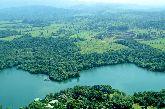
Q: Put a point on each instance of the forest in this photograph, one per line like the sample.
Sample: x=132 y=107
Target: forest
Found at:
x=64 y=42
x=99 y=97
x=64 y=48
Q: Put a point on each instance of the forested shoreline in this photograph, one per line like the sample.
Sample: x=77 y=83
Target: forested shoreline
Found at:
x=60 y=58
x=99 y=96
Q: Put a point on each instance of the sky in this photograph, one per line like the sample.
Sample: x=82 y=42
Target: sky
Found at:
x=138 y=2
x=58 y=3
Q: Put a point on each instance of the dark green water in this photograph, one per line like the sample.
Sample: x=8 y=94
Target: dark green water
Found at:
x=18 y=88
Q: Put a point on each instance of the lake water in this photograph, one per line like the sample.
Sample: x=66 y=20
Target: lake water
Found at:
x=19 y=88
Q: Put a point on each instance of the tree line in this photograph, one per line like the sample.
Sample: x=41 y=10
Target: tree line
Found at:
x=98 y=97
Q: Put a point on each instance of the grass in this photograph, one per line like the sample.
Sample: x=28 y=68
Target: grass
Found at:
x=98 y=46
x=90 y=44
x=10 y=38
x=85 y=35
x=137 y=106
x=157 y=43
x=35 y=31
x=47 y=31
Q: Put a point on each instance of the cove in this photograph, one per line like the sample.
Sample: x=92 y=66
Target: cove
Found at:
x=19 y=88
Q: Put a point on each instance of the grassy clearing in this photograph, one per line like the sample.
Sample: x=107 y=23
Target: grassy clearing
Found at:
x=85 y=35
x=45 y=31
x=10 y=38
x=26 y=28
x=137 y=106
x=98 y=46
x=157 y=43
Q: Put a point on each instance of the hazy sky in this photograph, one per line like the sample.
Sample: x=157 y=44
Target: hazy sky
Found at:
x=140 y=2
x=9 y=3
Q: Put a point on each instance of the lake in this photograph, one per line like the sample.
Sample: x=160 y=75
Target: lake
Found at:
x=19 y=88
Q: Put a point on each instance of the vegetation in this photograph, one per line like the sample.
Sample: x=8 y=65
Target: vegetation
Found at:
x=52 y=56
x=99 y=97
x=5 y=33
x=144 y=55
x=98 y=46
x=61 y=59
x=157 y=43
x=62 y=42
x=61 y=48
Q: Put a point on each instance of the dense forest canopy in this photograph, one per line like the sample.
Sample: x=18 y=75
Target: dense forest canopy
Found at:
x=99 y=97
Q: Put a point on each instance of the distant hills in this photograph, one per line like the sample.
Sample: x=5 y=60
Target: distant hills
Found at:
x=33 y=12
x=52 y=13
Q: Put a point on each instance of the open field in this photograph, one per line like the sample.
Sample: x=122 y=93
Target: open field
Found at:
x=157 y=43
